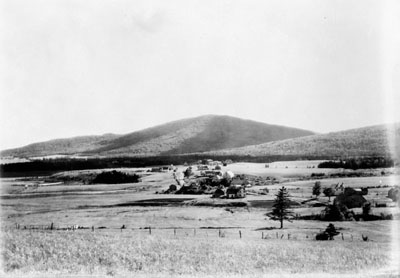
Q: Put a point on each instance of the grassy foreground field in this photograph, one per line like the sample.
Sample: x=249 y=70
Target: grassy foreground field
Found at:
x=185 y=239
x=121 y=254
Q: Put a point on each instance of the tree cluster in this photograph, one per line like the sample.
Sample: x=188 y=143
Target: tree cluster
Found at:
x=336 y=212
x=329 y=192
x=114 y=177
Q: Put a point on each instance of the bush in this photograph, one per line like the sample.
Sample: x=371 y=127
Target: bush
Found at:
x=315 y=175
x=388 y=216
x=328 y=234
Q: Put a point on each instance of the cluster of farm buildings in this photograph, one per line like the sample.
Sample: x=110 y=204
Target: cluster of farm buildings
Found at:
x=211 y=180
x=225 y=184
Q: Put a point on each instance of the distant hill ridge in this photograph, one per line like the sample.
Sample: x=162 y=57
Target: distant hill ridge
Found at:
x=378 y=140
x=199 y=134
x=73 y=145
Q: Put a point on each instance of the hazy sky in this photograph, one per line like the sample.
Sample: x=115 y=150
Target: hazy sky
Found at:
x=91 y=67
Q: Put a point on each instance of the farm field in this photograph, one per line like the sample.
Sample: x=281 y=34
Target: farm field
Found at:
x=194 y=235
x=121 y=253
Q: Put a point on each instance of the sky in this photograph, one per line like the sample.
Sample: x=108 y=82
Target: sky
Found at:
x=71 y=68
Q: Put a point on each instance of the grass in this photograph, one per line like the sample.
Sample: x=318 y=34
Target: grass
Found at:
x=115 y=253
x=133 y=251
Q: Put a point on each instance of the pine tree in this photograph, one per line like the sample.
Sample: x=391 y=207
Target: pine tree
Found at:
x=281 y=208
x=317 y=189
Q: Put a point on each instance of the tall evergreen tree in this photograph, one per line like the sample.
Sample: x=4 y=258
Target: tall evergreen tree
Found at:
x=281 y=208
x=317 y=189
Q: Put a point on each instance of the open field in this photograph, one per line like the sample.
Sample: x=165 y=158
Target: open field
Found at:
x=188 y=239
x=119 y=253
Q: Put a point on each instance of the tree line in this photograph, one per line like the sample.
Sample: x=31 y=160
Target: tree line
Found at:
x=359 y=163
x=69 y=164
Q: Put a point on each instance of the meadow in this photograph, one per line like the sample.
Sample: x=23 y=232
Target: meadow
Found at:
x=121 y=253
x=186 y=239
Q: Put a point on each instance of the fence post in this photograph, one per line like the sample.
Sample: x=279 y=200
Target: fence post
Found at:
x=262 y=235
x=149 y=230
x=174 y=232
x=342 y=236
x=282 y=236
x=288 y=236
x=276 y=234
x=240 y=234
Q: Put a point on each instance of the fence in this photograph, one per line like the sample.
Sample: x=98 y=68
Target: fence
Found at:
x=199 y=232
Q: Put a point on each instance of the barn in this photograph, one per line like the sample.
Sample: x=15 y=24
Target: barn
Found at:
x=351 y=201
x=235 y=191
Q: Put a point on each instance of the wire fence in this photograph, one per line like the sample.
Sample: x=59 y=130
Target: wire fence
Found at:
x=196 y=232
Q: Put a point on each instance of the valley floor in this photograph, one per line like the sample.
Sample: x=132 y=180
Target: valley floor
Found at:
x=167 y=235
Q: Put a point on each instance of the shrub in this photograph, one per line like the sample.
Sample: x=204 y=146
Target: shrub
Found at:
x=328 y=234
x=315 y=175
x=388 y=216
